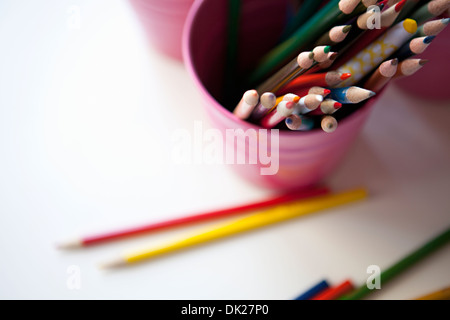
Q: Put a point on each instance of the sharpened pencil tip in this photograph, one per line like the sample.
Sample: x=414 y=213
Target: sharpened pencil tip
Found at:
x=371 y=94
x=118 y=263
x=70 y=245
x=423 y=62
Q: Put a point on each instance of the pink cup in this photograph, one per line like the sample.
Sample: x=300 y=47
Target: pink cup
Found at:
x=431 y=82
x=163 y=21
x=305 y=158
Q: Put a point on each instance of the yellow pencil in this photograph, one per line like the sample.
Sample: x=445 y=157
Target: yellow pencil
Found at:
x=258 y=220
x=443 y=294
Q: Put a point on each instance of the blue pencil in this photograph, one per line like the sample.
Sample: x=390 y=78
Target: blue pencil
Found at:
x=318 y=288
x=350 y=95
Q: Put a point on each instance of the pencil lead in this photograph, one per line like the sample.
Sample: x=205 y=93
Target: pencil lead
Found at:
x=428 y=39
x=347 y=28
x=345 y=76
x=423 y=62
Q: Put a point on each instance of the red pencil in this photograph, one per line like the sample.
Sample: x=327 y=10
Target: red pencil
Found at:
x=114 y=235
x=336 y=292
x=325 y=79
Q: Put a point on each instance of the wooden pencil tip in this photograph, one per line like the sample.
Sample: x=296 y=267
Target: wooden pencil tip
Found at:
x=70 y=245
x=113 y=264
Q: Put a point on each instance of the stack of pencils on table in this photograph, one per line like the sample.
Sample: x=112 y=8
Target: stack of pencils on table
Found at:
x=334 y=56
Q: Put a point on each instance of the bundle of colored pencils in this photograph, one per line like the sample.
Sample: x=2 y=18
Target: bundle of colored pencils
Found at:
x=334 y=56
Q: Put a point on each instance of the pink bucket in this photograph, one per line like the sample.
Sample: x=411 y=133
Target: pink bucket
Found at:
x=431 y=82
x=305 y=158
x=163 y=21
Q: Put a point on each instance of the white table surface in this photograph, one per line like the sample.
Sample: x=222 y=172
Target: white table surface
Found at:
x=86 y=118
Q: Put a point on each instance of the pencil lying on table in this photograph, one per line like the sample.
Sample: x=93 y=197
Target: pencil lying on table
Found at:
x=153 y=227
x=259 y=220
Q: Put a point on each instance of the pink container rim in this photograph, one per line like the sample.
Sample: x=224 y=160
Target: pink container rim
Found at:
x=217 y=106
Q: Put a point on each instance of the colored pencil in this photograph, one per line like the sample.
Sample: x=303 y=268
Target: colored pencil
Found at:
x=432 y=28
x=430 y=10
x=409 y=66
x=336 y=292
x=271 y=202
x=267 y=102
x=321 y=53
x=370 y=57
x=232 y=47
x=307 y=104
x=328 y=124
x=263 y=219
x=363 y=38
x=351 y=95
x=247 y=104
x=328 y=106
x=414 y=47
x=403 y=264
x=296 y=67
x=283 y=110
x=314 y=291
x=409 y=8
x=307 y=9
x=333 y=13
x=288 y=97
x=313 y=90
x=382 y=76
x=299 y=123
x=334 y=36
x=442 y=294
x=328 y=79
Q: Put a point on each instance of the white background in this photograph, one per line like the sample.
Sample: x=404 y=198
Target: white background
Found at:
x=86 y=118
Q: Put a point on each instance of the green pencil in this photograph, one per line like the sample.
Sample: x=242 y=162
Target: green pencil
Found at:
x=430 y=10
x=330 y=15
x=306 y=10
x=234 y=8
x=403 y=264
